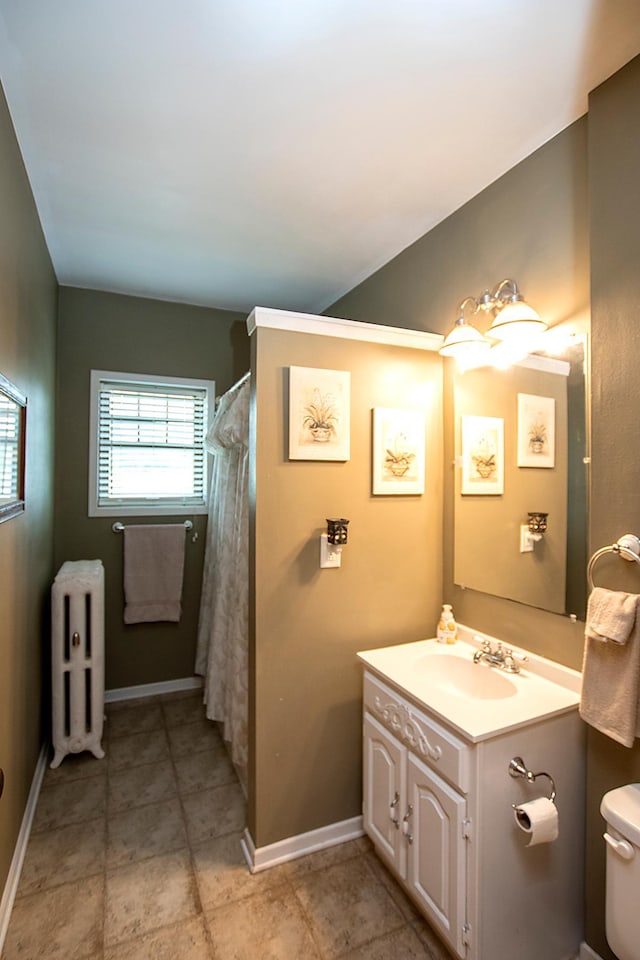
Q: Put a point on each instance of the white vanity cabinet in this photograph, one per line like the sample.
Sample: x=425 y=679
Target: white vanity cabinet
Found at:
x=438 y=807
x=416 y=819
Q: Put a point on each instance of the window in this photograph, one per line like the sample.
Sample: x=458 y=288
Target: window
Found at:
x=13 y=412
x=147 y=453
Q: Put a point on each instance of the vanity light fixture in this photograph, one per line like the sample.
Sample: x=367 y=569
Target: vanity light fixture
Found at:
x=514 y=321
x=465 y=343
x=514 y=318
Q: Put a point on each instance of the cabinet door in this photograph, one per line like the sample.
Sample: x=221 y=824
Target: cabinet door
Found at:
x=383 y=801
x=436 y=867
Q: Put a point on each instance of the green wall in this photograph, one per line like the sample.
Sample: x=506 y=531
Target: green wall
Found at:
x=531 y=225
x=614 y=163
x=128 y=334
x=27 y=356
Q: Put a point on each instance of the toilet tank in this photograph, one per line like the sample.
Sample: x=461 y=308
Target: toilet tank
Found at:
x=621 y=810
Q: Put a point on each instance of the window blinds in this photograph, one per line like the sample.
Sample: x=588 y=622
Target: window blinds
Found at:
x=151 y=444
x=10 y=413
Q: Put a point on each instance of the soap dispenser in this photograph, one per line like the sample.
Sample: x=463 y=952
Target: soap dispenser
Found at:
x=447 y=626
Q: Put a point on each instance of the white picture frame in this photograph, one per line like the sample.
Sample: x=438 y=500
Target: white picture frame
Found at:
x=482 y=455
x=536 y=431
x=319 y=414
x=398 y=455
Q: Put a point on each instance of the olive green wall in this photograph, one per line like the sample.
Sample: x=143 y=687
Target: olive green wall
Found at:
x=308 y=623
x=531 y=225
x=614 y=163
x=27 y=356
x=106 y=331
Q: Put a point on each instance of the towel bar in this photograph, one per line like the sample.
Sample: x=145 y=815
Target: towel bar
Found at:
x=627 y=547
x=118 y=527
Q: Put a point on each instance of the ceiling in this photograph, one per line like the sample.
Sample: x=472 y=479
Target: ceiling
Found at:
x=238 y=152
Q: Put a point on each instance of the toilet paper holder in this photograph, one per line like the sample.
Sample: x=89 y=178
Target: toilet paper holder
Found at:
x=517 y=768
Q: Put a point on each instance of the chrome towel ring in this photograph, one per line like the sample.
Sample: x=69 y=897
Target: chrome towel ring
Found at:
x=627 y=547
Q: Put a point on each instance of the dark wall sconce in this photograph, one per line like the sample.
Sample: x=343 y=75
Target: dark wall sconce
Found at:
x=337 y=531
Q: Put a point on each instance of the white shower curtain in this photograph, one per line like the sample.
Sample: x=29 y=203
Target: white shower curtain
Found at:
x=221 y=656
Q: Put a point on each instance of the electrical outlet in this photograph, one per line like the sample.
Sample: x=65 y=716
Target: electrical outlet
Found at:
x=526 y=543
x=330 y=554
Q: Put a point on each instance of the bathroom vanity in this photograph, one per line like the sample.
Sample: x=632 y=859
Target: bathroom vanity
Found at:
x=439 y=733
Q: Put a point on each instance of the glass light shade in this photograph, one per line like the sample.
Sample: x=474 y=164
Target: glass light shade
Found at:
x=516 y=320
x=464 y=343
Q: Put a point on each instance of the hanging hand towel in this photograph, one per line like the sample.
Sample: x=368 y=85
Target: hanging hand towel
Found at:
x=611 y=668
x=611 y=615
x=153 y=570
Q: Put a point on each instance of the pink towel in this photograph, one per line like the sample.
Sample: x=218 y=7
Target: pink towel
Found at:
x=153 y=571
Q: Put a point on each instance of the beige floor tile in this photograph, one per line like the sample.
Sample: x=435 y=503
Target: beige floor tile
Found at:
x=346 y=906
x=59 y=856
x=393 y=888
x=202 y=771
x=223 y=876
x=115 y=705
x=184 y=710
x=212 y=813
x=322 y=858
x=75 y=766
x=135 y=719
x=403 y=944
x=137 y=786
x=149 y=894
x=137 y=749
x=145 y=832
x=64 y=923
x=270 y=926
x=184 y=941
x=65 y=803
x=190 y=738
x=436 y=949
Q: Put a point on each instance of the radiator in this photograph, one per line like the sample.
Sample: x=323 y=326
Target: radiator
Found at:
x=77 y=667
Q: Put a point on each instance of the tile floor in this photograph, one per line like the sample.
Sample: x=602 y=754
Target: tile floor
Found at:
x=137 y=857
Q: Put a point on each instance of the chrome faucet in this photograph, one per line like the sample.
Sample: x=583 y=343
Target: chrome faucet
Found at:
x=499 y=657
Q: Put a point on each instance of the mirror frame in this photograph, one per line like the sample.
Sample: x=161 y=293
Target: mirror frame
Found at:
x=17 y=505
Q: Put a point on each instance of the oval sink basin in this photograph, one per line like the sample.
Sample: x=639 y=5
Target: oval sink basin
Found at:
x=465 y=678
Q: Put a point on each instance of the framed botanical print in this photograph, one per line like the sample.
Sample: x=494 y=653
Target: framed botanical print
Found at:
x=536 y=431
x=482 y=455
x=319 y=413
x=398 y=451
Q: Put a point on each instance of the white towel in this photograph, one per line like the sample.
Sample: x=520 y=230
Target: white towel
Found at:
x=153 y=571
x=611 y=668
x=610 y=615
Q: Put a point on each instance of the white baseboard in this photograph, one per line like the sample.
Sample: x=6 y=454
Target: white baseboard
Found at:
x=152 y=689
x=261 y=858
x=586 y=953
x=13 y=877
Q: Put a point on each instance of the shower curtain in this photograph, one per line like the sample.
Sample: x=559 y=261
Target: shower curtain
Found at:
x=221 y=656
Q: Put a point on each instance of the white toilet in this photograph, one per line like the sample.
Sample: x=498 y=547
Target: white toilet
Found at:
x=621 y=809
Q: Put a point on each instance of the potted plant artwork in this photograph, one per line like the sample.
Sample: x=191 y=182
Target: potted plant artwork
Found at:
x=319 y=413
x=537 y=437
x=321 y=417
x=484 y=459
x=398 y=461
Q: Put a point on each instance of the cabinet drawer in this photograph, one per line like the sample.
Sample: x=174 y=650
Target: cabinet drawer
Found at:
x=421 y=734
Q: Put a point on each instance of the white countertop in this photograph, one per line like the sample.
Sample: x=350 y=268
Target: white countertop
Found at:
x=477 y=705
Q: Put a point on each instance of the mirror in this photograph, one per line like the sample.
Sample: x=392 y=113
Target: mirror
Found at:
x=521 y=448
x=13 y=412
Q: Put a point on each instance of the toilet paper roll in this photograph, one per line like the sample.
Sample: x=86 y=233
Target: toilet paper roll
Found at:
x=538 y=819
